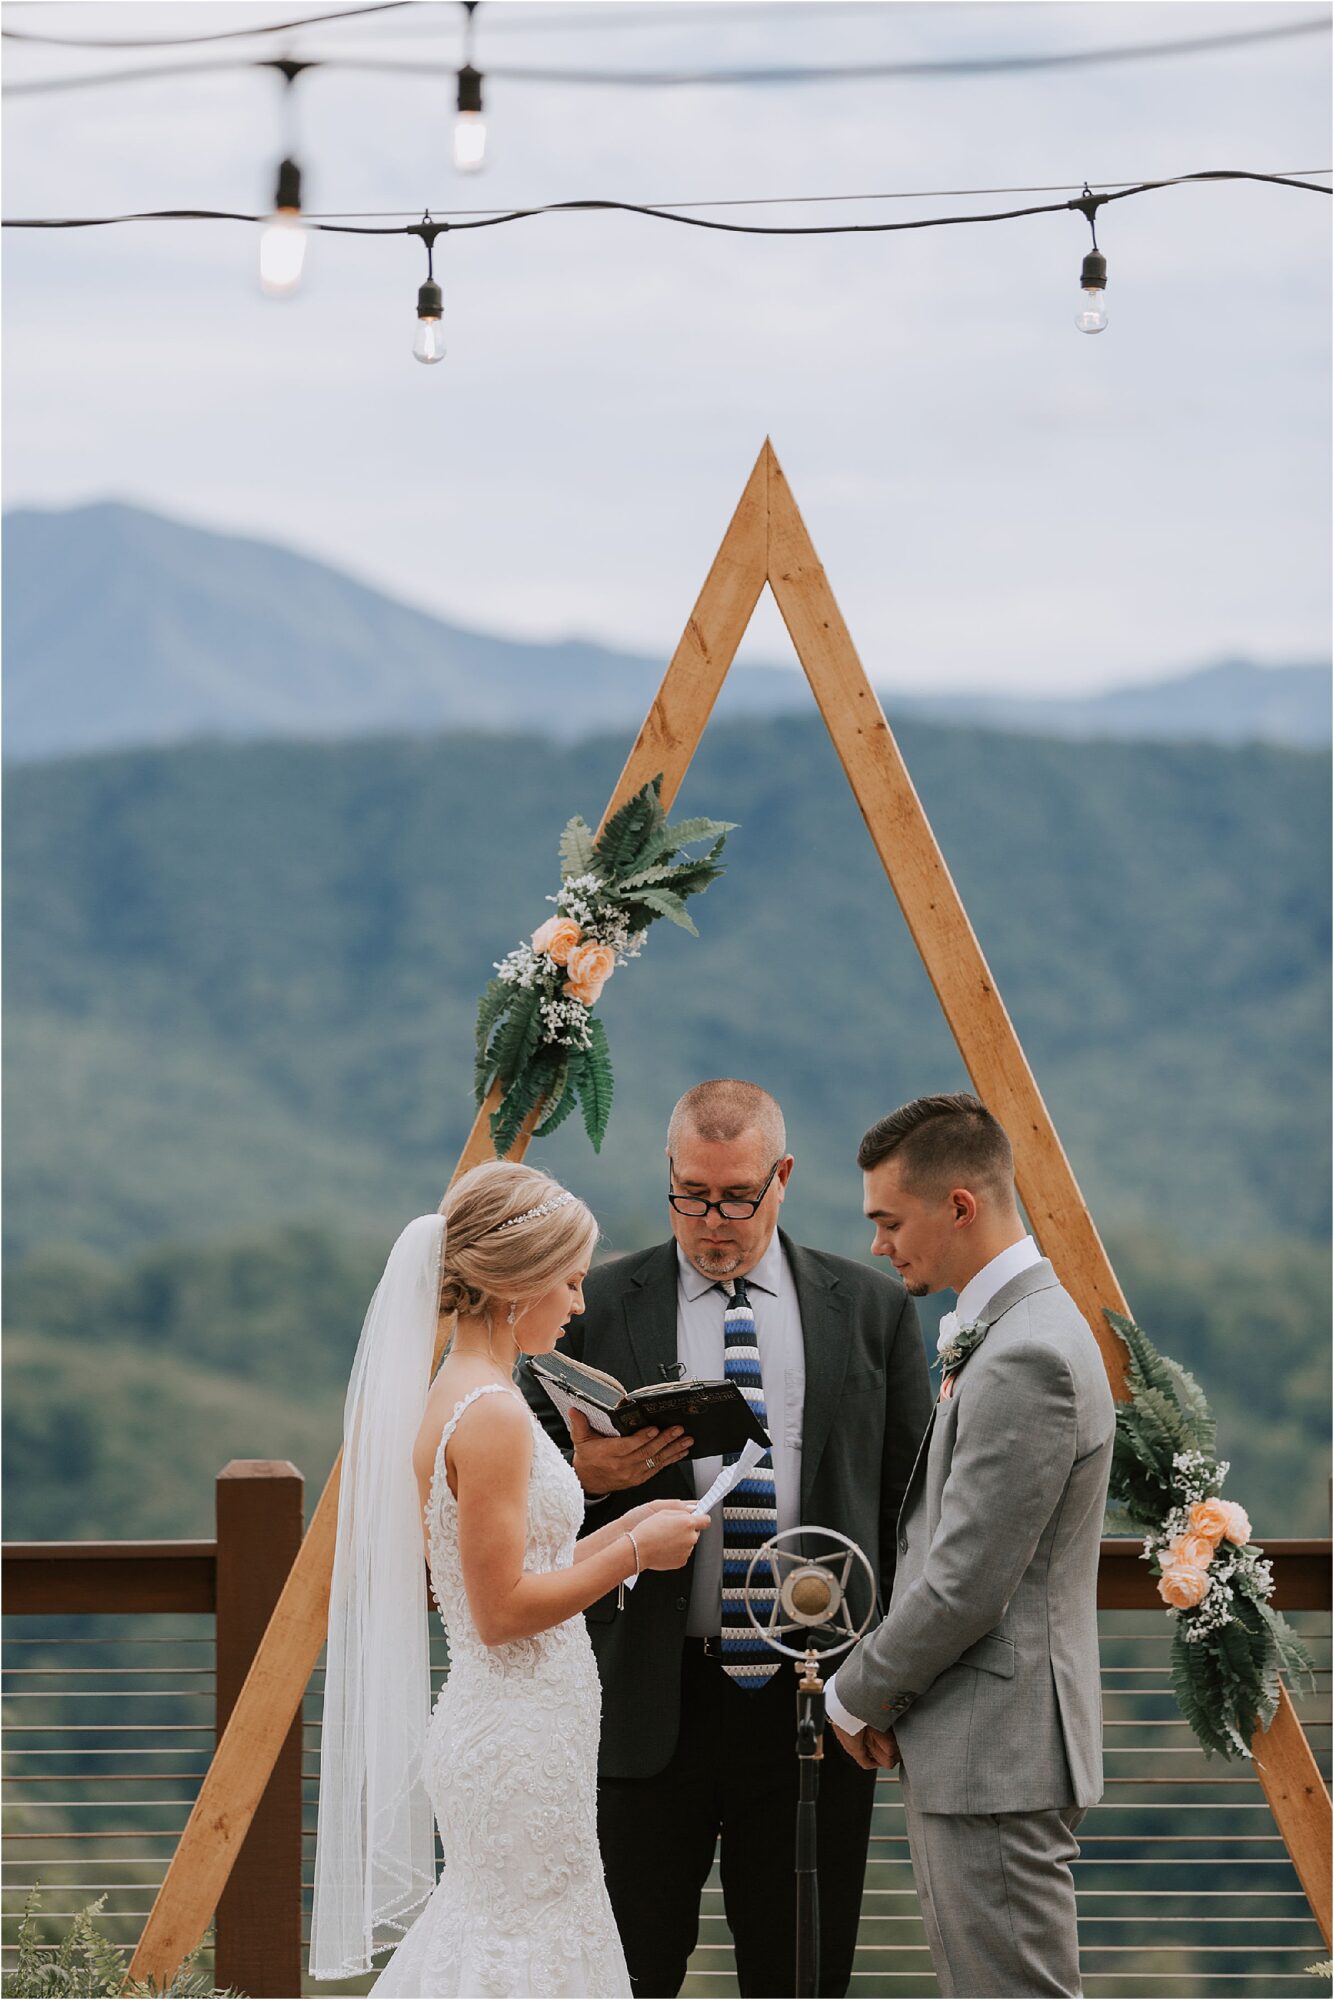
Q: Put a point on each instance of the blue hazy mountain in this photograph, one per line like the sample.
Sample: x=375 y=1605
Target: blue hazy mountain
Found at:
x=125 y=628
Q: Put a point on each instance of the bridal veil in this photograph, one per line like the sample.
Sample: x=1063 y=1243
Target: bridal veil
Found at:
x=375 y=1851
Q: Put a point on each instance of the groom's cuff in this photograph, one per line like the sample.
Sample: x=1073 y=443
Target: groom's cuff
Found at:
x=851 y=1724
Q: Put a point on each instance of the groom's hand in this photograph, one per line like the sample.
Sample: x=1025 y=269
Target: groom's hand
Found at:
x=856 y=1746
x=611 y=1464
x=883 y=1747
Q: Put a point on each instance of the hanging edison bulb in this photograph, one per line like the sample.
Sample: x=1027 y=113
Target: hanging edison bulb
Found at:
x=469 y=127
x=282 y=247
x=1092 y=314
x=429 y=343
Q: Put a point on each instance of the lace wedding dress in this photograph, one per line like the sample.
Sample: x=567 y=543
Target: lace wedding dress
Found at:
x=511 y=1766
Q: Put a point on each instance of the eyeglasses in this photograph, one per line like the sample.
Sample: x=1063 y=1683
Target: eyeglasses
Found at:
x=730 y=1211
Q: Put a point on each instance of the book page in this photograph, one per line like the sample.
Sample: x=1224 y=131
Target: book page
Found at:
x=564 y=1402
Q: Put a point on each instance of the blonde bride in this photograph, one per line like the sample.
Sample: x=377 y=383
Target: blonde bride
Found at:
x=505 y=1764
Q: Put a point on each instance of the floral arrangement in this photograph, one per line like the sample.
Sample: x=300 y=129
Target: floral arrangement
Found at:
x=1229 y=1646
x=537 y=1035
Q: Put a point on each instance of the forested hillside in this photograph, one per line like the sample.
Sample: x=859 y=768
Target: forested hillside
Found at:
x=240 y=984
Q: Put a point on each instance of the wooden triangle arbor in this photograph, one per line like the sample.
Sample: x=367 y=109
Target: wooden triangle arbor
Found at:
x=766 y=542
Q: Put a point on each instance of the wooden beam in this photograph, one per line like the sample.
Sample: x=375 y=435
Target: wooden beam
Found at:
x=995 y=1060
x=282 y=1666
x=766 y=538
x=936 y=917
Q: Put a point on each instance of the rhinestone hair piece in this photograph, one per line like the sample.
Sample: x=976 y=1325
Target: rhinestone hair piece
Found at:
x=556 y=1201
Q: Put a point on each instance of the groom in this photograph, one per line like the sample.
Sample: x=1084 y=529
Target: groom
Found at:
x=982 y=1682
x=698 y=1738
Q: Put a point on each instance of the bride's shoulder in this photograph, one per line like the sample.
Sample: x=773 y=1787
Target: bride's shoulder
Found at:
x=487 y=1412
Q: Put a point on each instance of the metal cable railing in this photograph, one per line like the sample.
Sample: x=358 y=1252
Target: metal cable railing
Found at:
x=1184 y=1885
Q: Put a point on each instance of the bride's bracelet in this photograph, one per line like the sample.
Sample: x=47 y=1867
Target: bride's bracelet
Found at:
x=620 y=1593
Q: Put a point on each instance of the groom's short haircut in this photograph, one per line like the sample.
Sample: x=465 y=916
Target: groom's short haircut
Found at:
x=940 y=1143
x=724 y=1109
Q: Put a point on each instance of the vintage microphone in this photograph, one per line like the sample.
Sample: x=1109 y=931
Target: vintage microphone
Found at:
x=809 y=1597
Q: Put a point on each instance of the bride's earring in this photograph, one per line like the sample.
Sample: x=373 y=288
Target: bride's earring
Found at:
x=512 y=1315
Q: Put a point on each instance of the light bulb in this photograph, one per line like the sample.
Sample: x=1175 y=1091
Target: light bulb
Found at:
x=282 y=247
x=429 y=341
x=282 y=253
x=469 y=142
x=1092 y=314
x=469 y=130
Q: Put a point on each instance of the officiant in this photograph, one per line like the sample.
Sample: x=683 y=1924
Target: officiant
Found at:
x=698 y=1728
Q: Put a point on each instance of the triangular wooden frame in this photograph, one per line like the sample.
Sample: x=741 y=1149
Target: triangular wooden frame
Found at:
x=766 y=542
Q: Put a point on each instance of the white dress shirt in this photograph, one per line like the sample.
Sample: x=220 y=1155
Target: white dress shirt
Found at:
x=700 y=1345
x=978 y=1293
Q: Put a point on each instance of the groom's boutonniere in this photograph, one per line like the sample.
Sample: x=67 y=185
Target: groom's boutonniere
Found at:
x=956 y=1343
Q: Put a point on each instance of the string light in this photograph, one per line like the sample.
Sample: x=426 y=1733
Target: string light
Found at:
x=861 y=72
x=428 y=344
x=282 y=247
x=469 y=127
x=1092 y=314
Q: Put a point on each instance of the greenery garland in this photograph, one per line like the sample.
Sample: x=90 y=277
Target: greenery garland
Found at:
x=87 y=1964
x=1229 y=1647
x=536 y=1032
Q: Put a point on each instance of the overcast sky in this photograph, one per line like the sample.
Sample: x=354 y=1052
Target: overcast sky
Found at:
x=999 y=500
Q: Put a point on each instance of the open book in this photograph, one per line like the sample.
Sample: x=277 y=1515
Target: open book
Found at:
x=715 y=1414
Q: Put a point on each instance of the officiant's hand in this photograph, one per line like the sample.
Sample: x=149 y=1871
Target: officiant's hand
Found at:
x=610 y=1465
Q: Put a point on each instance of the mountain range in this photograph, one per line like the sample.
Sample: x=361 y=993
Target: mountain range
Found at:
x=125 y=628
x=239 y=995
x=241 y=979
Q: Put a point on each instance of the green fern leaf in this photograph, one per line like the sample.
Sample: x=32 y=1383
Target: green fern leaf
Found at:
x=578 y=856
x=518 y=1039
x=628 y=832
x=647 y=877
x=669 y=840
x=664 y=903
x=558 y=1101
x=595 y=1084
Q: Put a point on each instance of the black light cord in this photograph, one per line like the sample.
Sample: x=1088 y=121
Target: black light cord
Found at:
x=219 y=35
x=1085 y=203
x=669 y=79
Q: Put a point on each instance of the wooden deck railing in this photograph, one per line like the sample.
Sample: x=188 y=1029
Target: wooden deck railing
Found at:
x=235 y=1580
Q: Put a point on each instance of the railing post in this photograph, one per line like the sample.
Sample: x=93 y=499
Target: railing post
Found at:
x=258 y=1923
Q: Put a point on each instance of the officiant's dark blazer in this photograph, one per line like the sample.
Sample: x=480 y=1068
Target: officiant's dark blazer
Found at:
x=868 y=1399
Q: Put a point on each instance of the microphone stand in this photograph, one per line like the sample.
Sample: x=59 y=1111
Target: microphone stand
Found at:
x=810 y=1749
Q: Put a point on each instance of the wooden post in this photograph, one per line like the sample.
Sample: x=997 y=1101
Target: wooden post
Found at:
x=766 y=541
x=258 y=1946
x=271 y=1695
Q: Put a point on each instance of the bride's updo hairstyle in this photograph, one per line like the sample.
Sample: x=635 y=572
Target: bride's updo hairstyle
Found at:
x=511 y=1232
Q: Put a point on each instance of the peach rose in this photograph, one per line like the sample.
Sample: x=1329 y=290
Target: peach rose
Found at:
x=1238 y=1527
x=1182 y=1585
x=557 y=937
x=1209 y=1517
x=588 y=969
x=1190 y=1552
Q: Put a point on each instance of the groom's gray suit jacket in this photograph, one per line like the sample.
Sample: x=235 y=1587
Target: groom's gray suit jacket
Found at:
x=986 y=1666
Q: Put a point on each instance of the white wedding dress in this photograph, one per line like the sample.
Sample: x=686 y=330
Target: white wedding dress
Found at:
x=521 y=1907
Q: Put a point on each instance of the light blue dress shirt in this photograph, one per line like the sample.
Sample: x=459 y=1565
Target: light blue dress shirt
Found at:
x=699 y=1344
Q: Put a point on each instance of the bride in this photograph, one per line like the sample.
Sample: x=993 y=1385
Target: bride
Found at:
x=506 y=1762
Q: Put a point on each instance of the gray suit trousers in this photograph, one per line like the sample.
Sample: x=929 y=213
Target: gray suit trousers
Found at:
x=997 y=1898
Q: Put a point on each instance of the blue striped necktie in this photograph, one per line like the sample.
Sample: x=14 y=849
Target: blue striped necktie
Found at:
x=750 y=1515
